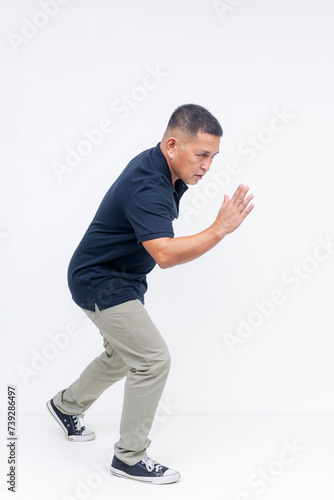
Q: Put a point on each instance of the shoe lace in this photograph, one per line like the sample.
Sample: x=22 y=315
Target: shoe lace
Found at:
x=151 y=465
x=78 y=422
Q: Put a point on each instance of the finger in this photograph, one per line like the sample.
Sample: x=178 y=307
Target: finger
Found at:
x=237 y=193
x=244 y=204
x=242 y=195
x=247 y=211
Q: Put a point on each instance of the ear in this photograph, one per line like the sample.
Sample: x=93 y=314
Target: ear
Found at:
x=171 y=146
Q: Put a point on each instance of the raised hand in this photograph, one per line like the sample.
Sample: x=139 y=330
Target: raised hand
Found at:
x=233 y=211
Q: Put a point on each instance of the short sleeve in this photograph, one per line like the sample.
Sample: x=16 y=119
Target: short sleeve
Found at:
x=149 y=211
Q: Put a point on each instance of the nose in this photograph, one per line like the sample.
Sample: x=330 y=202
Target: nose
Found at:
x=206 y=164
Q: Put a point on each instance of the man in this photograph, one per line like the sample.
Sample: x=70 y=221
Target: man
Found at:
x=131 y=232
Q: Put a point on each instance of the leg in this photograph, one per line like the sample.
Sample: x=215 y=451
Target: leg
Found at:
x=100 y=374
x=133 y=335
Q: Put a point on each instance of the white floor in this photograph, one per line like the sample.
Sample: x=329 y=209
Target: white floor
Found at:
x=234 y=457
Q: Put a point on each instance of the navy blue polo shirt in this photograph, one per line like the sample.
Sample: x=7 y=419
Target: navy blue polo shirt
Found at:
x=110 y=264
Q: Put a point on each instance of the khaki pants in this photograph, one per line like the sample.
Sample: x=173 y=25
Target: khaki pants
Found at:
x=134 y=349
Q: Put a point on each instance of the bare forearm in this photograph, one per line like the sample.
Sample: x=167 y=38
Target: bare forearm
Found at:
x=175 y=251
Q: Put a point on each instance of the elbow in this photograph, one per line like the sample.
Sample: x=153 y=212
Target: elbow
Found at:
x=162 y=266
x=163 y=263
x=160 y=251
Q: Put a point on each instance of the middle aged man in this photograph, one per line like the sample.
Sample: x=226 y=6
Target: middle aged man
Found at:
x=131 y=232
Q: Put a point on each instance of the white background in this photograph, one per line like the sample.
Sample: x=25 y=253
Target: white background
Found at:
x=257 y=57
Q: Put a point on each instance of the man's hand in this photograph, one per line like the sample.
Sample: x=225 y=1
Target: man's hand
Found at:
x=234 y=211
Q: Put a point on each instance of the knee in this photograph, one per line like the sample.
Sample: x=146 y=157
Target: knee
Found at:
x=161 y=362
x=153 y=366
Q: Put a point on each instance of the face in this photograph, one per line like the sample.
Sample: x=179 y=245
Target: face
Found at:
x=190 y=160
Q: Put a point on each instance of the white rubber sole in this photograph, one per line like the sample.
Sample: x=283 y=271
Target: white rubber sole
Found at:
x=172 y=478
x=75 y=439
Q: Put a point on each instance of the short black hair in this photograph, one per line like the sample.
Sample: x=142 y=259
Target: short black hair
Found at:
x=192 y=118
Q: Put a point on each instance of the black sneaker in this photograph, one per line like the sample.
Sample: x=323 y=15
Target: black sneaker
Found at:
x=146 y=470
x=72 y=425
